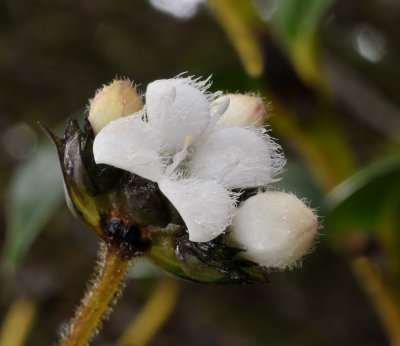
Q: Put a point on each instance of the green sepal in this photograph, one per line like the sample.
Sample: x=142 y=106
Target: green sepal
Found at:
x=96 y=192
x=206 y=262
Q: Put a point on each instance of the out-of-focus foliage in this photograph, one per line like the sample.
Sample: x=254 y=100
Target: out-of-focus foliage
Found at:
x=296 y=18
x=296 y=24
x=237 y=19
x=35 y=192
x=297 y=178
x=365 y=199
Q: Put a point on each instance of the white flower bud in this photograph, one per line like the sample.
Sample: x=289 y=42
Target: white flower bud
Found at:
x=274 y=228
x=243 y=110
x=112 y=102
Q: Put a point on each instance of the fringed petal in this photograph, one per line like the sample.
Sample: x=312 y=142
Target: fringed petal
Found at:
x=178 y=108
x=205 y=206
x=237 y=157
x=128 y=143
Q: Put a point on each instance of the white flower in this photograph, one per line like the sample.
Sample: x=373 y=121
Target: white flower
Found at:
x=274 y=228
x=174 y=141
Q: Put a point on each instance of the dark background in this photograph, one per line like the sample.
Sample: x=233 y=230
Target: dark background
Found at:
x=55 y=54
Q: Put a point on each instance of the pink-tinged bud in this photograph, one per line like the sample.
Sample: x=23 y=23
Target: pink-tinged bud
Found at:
x=243 y=110
x=274 y=228
x=112 y=102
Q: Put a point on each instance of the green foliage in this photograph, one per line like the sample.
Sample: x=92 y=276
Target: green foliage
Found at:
x=295 y=24
x=144 y=269
x=295 y=18
x=299 y=180
x=366 y=198
x=35 y=192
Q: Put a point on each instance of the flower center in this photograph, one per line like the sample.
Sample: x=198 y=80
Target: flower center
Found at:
x=179 y=156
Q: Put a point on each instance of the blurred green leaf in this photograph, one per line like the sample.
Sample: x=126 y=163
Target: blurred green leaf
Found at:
x=298 y=179
x=295 y=23
x=295 y=18
x=35 y=192
x=364 y=199
x=144 y=269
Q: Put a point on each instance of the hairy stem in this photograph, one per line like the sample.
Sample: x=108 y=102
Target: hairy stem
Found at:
x=154 y=314
x=101 y=294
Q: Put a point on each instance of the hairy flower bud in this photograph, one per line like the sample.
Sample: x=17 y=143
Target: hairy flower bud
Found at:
x=243 y=110
x=274 y=228
x=112 y=102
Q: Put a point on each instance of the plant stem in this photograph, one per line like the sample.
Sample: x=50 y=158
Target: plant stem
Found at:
x=234 y=16
x=102 y=293
x=18 y=322
x=154 y=314
x=380 y=297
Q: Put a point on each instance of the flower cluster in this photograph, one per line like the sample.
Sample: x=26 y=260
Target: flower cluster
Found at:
x=203 y=150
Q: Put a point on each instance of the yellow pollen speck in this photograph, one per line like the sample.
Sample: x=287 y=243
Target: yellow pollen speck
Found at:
x=188 y=139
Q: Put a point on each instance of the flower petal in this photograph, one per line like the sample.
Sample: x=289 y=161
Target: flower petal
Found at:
x=205 y=206
x=177 y=108
x=128 y=143
x=237 y=157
